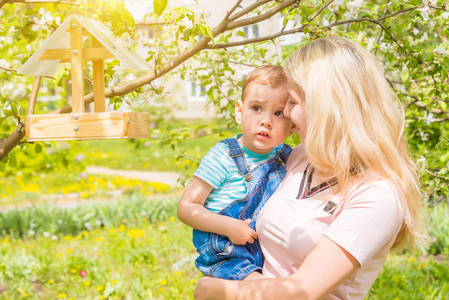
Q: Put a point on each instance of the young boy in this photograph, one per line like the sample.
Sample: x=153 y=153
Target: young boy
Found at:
x=236 y=177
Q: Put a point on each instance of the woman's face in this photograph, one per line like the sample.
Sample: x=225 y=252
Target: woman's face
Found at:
x=295 y=110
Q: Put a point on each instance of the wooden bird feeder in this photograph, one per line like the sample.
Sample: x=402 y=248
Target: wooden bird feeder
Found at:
x=65 y=45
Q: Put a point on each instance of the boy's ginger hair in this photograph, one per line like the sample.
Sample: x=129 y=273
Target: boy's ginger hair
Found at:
x=269 y=75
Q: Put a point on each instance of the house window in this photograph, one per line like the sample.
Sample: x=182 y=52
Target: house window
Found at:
x=196 y=92
x=251 y=31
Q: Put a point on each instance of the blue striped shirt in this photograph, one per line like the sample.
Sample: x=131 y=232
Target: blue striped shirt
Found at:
x=218 y=169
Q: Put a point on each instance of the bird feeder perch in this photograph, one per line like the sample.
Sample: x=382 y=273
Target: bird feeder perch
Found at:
x=65 y=45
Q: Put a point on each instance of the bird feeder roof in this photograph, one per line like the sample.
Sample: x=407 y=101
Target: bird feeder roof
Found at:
x=60 y=39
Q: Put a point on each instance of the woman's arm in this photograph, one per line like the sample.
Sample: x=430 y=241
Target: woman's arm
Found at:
x=324 y=269
x=192 y=212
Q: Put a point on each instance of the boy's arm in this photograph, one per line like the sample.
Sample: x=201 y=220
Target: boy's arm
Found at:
x=192 y=212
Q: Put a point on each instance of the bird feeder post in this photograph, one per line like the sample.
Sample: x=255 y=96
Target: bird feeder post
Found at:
x=76 y=59
x=98 y=73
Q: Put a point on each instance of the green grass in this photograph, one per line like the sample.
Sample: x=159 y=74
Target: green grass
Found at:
x=137 y=249
x=410 y=277
x=75 y=187
x=134 y=247
x=124 y=262
x=151 y=154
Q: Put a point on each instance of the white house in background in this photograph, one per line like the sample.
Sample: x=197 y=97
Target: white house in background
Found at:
x=188 y=95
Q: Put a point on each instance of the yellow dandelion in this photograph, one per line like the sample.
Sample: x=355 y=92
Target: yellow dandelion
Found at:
x=99 y=253
x=150 y=227
x=5 y=240
x=424 y=265
x=79 y=237
x=99 y=239
x=99 y=288
x=86 y=282
x=178 y=273
x=105 y=228
x=86 y=233
x=122 y=228
x=144 y=219
x=172 y=219
x=26 y=295
x=114 y=281
x=58 y=254
x=164 y=281
x=62 y=295
x=50 y=281
x=412 y=259
x=70 y=299
x=73 y=271
x=136 y=263
x=78 y=266
x=161 y=290
x=102 y=297
x=192 y=281
x=69 y=250
x=66 y=238
x=111 y=230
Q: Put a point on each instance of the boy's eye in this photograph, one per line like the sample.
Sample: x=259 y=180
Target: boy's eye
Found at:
x=292 y=102
x=279 y=113
x=257 y=108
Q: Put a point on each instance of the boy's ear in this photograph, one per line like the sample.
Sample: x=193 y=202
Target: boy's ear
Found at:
x=292 y=130
x=238 y=112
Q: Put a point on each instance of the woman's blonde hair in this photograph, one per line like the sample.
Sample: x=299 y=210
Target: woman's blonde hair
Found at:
x=355 y=123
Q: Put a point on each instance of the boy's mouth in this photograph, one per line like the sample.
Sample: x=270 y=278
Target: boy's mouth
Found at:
x=263 y=135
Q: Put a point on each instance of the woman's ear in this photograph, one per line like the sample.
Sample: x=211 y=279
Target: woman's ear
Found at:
x=238 y=112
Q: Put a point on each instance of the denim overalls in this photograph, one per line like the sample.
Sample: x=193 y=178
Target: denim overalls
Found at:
x=218 y=256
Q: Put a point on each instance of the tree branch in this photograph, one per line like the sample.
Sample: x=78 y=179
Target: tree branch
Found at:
x=8 y=69
x=434 y=175
x=416 y=101
x=231 y=11
x=11 y=141
x=261 y=17
x=247 y=10
x=268 y=37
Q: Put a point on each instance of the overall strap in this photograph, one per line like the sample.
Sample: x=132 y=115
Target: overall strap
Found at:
x=238 y=155
x=284 y=153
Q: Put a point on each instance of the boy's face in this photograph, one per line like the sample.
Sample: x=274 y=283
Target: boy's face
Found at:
x=261 y=117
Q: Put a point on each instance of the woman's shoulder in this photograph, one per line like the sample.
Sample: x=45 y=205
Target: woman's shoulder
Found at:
x=373 y=189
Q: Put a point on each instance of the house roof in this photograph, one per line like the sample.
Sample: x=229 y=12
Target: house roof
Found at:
x=60 y=39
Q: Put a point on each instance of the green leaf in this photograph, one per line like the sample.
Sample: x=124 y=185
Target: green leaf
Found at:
x=38 y=148
x=12 y=160
x=159 y=6
x=363 y=14
x=14 y=109
x=405 y=76
x=444 y=157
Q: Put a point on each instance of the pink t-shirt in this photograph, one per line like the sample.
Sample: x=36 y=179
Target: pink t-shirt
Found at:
x=365 y=223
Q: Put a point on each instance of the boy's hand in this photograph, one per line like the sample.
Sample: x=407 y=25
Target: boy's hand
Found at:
x=240 y=233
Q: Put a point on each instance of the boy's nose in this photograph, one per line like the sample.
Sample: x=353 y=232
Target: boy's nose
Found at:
x=266 y=121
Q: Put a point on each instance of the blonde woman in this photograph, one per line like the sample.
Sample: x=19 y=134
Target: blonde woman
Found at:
x=351 y=192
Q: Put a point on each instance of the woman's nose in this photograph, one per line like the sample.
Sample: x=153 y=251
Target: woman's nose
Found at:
x=287 y=111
